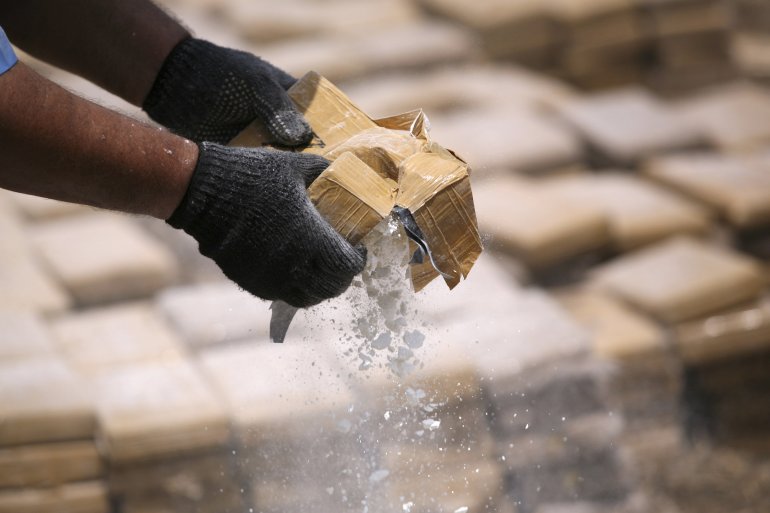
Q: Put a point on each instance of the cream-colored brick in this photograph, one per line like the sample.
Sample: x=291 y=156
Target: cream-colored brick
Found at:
x=46 y=465
x=549 y=399
x=495 y=20
x=201 y=470
x=734 y=117
x=602 y=478
x=314 y=53
x=215 y=313
x=696 y=50
x=681 y=279
x=628 y=125
x=485 y=14
x=206 y=19
x=564 y=446
x=202 y=8
x=645 y=381
x=102 y=340
x=536 y=332
x=752 y=16
x=204 y=481
x=293 y=19
x=536 y=226
x=604 y=42
x=43 y=400
x=11 y=229
x=458 y=87
x=297 y=428
x=36 y=208
x=638 y=212
x=490 y=287
x=212 y=500
x=737 y=186
x=580 y=10
x=440 y=405
x=412 y=46
x=23 y=335
x=598 y=23
x=727 y=335
x=617 y=332
x=24 y=285
x=277 y=391
x=85 y=497
x=415 y=46
x=154 y=411
x=649 y=450
x=682 y=18
x=751 y=54
x=103 y=257
x=499 y=139
x=683 y=80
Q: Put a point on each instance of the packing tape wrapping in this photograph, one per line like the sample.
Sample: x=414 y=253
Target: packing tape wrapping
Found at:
x=379 y=167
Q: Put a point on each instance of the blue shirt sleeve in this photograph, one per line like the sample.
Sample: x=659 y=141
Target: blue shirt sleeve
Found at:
x=7 y=56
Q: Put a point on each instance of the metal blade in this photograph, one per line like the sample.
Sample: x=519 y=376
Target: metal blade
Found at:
x=283 y=313
x=415 y=234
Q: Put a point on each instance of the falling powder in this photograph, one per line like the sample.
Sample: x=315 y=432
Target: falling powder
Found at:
x=382 y=341
x=385 y=329
x=414 y=339
x=378 y=475
x=384 y=334
x=431 y=424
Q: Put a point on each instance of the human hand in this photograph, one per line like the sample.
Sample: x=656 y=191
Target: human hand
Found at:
x=249 y=211
x=208 y=93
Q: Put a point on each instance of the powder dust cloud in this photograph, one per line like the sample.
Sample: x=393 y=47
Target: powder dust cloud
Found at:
x=405 y=444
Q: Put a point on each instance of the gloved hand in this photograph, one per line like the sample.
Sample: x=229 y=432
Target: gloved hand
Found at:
x=208 y=93
x=249 y=211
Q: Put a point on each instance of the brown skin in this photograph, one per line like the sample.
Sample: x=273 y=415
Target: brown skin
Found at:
x=120 y=45
x=58 y=145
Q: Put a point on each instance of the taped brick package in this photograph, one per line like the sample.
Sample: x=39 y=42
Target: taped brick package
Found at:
x=383 y=166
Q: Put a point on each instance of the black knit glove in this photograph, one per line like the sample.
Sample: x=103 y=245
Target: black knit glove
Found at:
x=208 y=93
x=249 y=211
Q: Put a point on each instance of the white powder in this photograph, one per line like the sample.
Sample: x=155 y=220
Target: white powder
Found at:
x=414 y=339
x=378 y=475
x=383 y=334
x=431 y=424
x=385 y=328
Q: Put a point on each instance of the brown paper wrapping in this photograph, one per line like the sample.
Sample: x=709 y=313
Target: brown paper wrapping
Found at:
x=333 y=117
x=380 y=148
x=378 y=164
x=352 y=197
x=438 y=193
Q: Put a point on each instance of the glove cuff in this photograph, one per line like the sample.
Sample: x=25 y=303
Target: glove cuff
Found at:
x=178 y=61
x=206 y=193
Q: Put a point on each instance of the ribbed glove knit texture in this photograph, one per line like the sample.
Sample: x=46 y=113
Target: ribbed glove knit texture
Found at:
x=208 y=93
x=249 y=211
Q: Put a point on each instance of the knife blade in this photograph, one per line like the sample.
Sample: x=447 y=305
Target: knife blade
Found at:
x=281 y=318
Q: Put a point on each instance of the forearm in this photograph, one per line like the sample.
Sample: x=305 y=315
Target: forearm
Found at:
x=58 y=145
x=118 y=44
